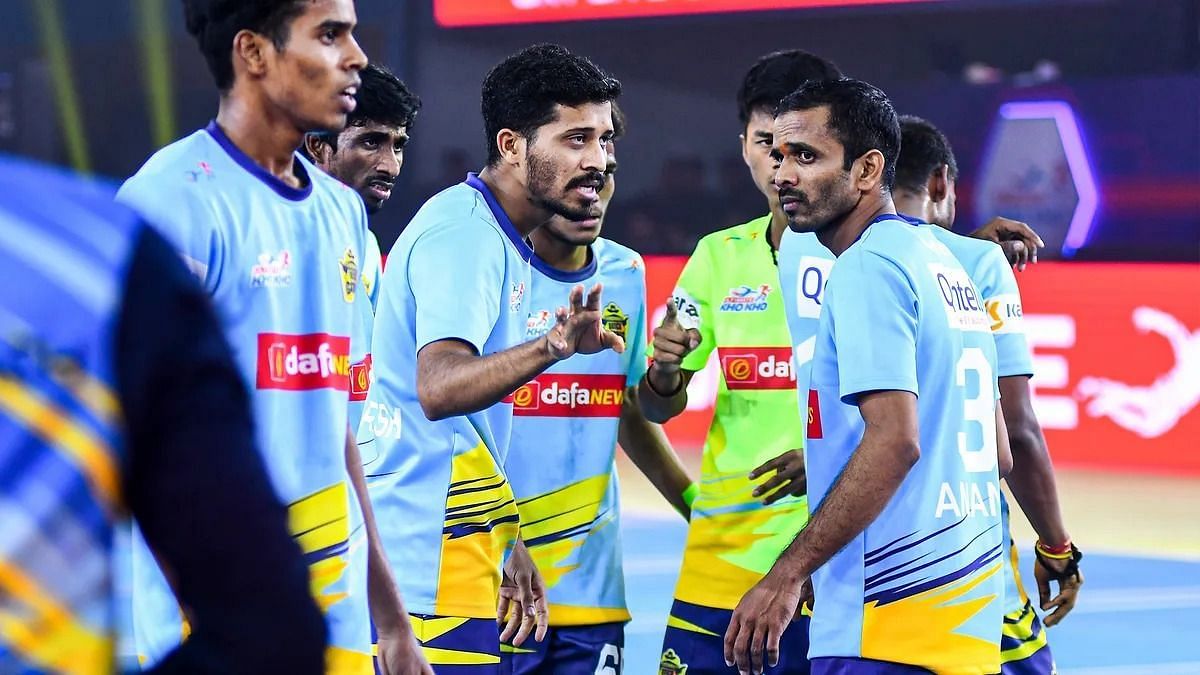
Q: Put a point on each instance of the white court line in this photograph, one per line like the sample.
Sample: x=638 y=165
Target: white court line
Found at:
x=1137 y=599
x=1177 y=668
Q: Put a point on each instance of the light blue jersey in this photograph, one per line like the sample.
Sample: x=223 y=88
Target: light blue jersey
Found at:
x=446 y=513
x=922 y=584
x=361 y=375
x=282 y=265
x=564 y=441
x=804 y=267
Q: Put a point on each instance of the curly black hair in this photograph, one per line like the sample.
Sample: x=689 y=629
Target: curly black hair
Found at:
x=778 y=74
x=521 y=92
x=923 y=150
x=214 y=23
x=860 y=115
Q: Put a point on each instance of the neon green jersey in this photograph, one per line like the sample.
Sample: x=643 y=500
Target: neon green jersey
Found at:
x=730 y=287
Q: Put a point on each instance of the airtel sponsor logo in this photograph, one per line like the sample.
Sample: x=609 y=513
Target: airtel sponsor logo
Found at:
x=303 y=362
x=757 y=367
x=561 y=395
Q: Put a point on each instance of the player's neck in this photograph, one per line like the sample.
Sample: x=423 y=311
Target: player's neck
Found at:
x=514 y=199
x=919 y=206
x=561 y=255
x=779 y=223
x=269 y=141
x=839 y=236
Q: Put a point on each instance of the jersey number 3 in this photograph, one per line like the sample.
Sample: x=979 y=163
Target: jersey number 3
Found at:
x=979 y=409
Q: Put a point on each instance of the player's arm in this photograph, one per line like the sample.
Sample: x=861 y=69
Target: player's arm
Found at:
x=1004 y=456
x=650 y=451
x=889 y=448
x=662 y=393
x=398 y=648
x=453 y=379
x=1019 y=241
x=197 y=485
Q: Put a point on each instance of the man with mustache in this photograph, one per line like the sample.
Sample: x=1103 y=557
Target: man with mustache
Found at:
x=450 y=351
x=906 y=437
x=279 y=244
x=566 y=426
x=367 y=156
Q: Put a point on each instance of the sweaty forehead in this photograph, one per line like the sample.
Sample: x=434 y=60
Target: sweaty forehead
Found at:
x=364 y=128
x=319 y=11
x=810 y=127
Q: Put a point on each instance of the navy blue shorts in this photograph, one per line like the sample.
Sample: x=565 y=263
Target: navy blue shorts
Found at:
x=569 y=650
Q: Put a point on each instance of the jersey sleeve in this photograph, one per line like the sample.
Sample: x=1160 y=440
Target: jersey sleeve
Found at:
x=1002 y=299
x=873 y=313
x=636 y=339
x=455 y=272
x=188 y=221
x=693 y=298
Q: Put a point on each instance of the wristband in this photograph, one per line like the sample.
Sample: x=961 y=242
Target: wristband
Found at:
x=689 y=494
x=672 y=394
x=1060 y=552
x=1070 y=571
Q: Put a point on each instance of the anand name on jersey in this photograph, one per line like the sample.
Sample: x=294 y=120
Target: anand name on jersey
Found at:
x=446 y=513
x=282 y=265
x=564 y=440
x=922 y=584
x=730 y=286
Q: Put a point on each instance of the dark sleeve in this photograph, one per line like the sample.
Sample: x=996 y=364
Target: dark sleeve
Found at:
x=197 y=485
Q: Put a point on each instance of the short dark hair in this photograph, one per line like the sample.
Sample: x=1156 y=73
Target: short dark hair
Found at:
x=619 y=125
x=860 y=116
x=214 y=23
x=778 y=74
x=382 y=98
x=520 y=93
x=923 y=150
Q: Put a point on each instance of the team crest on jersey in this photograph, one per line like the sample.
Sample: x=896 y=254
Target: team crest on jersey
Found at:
x=516 y=296
x=746 y=299
x=272 y=270
x=538 y=323
x=671 y=665
x=615 y=320
x=349 y=267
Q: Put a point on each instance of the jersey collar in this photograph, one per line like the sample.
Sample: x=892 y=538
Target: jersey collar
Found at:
x=501 y=217
x=266 y=177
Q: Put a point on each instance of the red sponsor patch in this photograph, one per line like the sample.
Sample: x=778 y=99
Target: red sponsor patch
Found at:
x=303 y=362
x=757 y=368
x=360 y=379
x=555 y=395
x=814 y=415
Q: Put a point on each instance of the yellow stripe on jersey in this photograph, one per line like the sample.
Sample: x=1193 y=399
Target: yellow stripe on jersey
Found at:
x=675 y=622
x=339 y=661
x=480 y=525
x=1019 y=626
x=926 y=624
x=68 y=436
x=569 y=615
x=1014 y=560
x=427 y=630
x=321 y=519
x=44 y=633
x=552 y=526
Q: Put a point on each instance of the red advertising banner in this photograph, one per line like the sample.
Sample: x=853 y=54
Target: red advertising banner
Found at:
x=1116 y=357
x=457 y=13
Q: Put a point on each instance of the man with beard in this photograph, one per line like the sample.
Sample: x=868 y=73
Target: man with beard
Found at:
x=451 y=350
x=277 y=244
x=567 y=423
x=926 y=173
x=367 y=156
x=903 y=546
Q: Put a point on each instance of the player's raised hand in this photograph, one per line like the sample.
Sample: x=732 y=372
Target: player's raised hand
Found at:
x=579 y=330
x=1019 y=241
x=752 y=639
x=673 y=342
x=790 y=477
x=522 y=608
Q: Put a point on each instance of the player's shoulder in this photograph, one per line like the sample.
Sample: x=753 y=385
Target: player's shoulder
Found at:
x=802 y=243
x=178 y=175
x=749 y=233
x=616 y=259
x=969 y=250
x=457 y=217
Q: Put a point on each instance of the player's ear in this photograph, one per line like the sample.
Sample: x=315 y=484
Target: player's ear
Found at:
x=938 y=184
x=511 y=145
x=868 y=171
x=249 y=48
x=318 y=149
